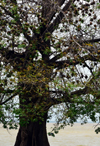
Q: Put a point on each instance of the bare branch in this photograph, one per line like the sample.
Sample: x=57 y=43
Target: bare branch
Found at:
x=1 y=103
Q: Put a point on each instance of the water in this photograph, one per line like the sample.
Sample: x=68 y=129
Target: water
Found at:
x=78 y=135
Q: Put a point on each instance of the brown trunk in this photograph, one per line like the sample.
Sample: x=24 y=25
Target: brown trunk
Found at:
x=34 y=134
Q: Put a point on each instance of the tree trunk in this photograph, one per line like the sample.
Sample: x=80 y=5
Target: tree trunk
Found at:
x=33 y=134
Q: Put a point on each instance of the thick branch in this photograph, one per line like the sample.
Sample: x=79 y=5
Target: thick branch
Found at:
x=11 y=54
x=64 y=63
x=91 y=41
x=83 y=91
x=52 y=13
x=58 y=19
x=68 y=97
x=58 y=56
x=14 y=58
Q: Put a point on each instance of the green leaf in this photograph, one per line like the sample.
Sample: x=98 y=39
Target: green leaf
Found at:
x=21 y=46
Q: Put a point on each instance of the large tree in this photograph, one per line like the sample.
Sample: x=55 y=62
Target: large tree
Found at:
x=50 y=54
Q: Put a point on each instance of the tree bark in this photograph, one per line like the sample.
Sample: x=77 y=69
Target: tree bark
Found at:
x=33 y=134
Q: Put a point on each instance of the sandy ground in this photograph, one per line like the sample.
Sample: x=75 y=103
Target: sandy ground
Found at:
x=78 y=135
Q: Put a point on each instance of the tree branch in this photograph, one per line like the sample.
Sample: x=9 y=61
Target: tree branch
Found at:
x=67 y=98
x=58 y=19
x=83 y=91
x=18 y=22
x=58 y=56
x=53 y=11
x=64 y=63
x=91 y=41
x=7 y=12
x=1 y=103
x=14 y=58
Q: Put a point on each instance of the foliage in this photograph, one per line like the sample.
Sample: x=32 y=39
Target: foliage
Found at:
x=50 y=56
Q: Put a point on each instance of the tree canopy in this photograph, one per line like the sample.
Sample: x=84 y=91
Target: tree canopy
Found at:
x=49 y=54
